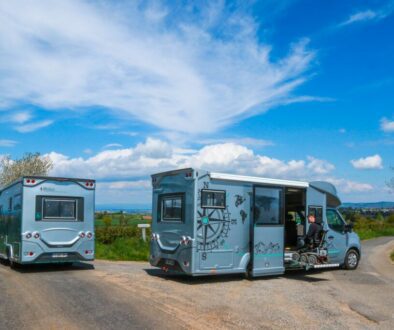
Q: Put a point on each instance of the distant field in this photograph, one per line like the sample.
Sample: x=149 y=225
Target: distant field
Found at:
x=131 y=219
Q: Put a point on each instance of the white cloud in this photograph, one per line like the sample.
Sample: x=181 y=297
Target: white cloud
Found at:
x=112 y=145
x=387 y=125
x=7 y=143
x=367 y=163
x=193 y=70
x=319 y=166
x=369 y=15
x=366 y=15
x=123 y=174
x=248 y=141
x=17 y=117
x=349 y=186
x=155 y=155
x=31 y=127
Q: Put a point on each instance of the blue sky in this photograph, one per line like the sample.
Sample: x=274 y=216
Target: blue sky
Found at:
x=119 y=90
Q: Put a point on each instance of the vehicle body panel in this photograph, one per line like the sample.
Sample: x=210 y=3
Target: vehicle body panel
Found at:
x=223 y=237
x=27 y=236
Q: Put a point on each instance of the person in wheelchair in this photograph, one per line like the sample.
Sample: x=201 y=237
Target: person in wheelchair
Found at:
x=314 y=234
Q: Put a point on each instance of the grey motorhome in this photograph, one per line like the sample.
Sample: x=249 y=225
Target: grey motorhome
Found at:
x=47 y=220
x=215 y=223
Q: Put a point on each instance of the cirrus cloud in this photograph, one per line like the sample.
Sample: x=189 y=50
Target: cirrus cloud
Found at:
x=192 y=71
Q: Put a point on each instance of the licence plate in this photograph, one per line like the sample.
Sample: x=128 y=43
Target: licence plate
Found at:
x=170 y=262
x=59 y=255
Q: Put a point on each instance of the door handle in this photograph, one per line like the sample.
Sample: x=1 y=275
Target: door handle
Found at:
x=331 y=237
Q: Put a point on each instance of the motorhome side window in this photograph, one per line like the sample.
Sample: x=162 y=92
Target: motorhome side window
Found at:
x=267 y=210
x=317 y=211
x=50 y=208
x=214 y=199
x=17 y=202
x=171 y=208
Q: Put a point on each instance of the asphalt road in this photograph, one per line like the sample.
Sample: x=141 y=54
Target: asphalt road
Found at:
x=125 y=295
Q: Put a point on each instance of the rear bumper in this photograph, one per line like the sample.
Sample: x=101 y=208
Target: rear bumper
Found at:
x=42 y=254
x=179 y=260
x=53 y=257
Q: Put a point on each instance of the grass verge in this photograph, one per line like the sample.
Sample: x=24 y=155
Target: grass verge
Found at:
x=123 y=249
x=374 y=233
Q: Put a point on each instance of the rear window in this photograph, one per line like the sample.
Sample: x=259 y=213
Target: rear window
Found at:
x=171 y=208
x=59 y=208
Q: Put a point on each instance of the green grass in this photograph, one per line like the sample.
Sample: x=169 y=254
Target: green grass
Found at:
x=374 y=233
x=123 y=249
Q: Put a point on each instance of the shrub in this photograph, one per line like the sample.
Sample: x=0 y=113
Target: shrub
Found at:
x=390 y=219
x=107 y=219
x=109 y=234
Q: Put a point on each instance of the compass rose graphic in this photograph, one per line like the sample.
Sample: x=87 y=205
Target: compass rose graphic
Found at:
x=211 y=226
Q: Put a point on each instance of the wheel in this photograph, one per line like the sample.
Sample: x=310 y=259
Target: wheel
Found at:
x=312 y=259
x=351 y=260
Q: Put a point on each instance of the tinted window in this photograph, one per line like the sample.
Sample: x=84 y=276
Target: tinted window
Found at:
x=334 y=221
x=10 y=204
x=17 y=202
x=267 y=209
x=213 y=199
x=317 y=211
x=59 y=209
x=171 y=208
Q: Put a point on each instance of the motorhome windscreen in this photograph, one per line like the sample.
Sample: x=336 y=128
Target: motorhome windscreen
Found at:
x=51 y=208
x=171 y=207
x=214 y=199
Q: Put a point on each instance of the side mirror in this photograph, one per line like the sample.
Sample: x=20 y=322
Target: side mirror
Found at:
x=349 y=227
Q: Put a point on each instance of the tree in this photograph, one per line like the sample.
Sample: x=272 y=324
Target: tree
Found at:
x=29 y=164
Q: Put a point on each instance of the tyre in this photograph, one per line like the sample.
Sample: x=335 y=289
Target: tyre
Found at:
x=351 y=260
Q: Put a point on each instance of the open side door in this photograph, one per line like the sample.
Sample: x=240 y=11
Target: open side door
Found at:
x=267 y=231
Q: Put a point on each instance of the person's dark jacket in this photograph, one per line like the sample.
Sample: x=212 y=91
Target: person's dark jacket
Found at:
x=313 y=232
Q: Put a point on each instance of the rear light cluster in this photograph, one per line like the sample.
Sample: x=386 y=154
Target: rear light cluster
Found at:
x=186 y=240
x=29 y=235
x=154 y=237
x=29 y=253
x=88 y=251
x=188 y=175
x=31 y=181
x=88 y=234
x=89 y=184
